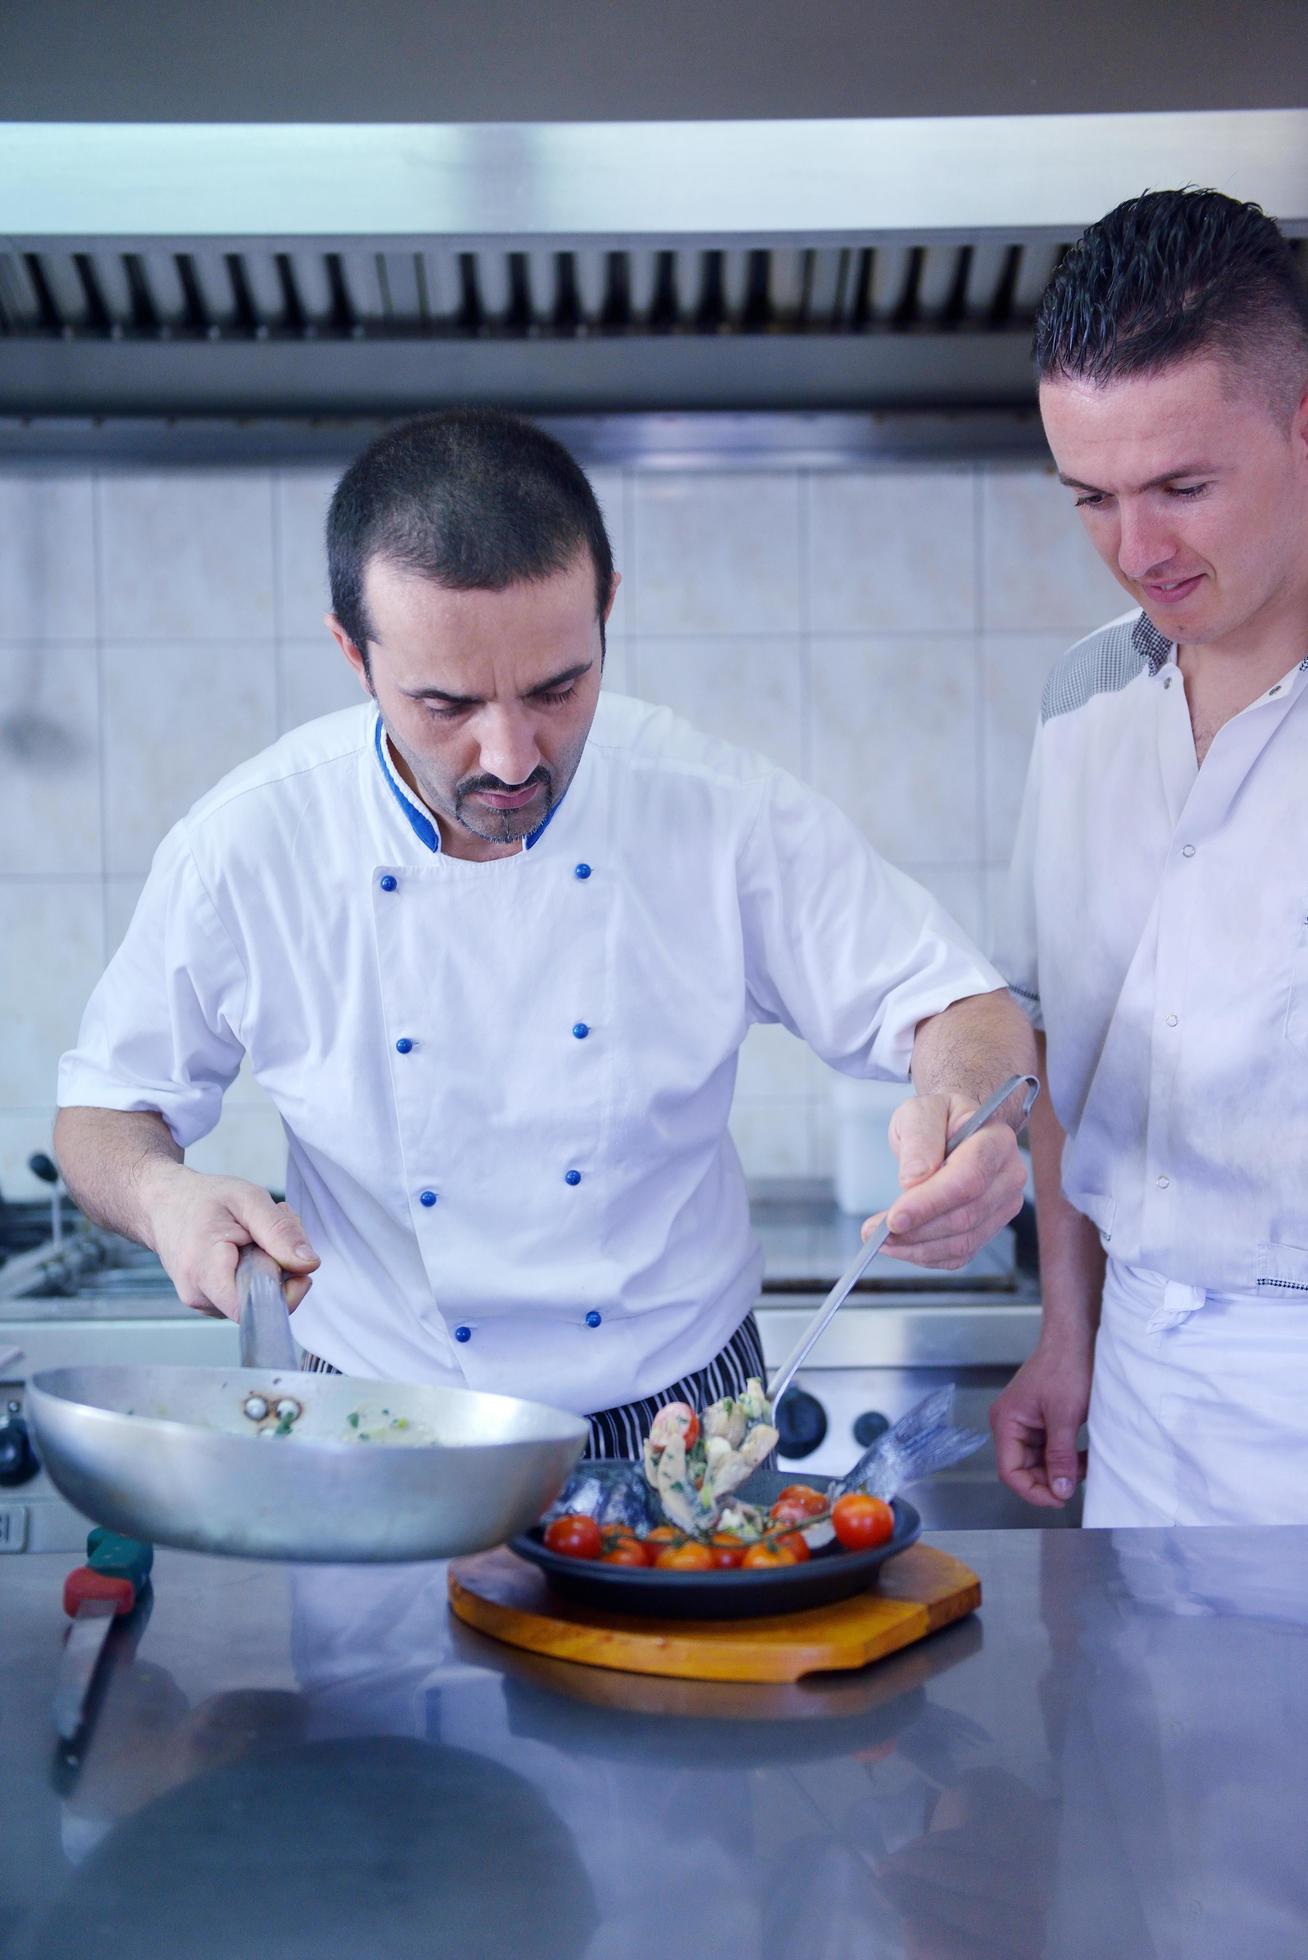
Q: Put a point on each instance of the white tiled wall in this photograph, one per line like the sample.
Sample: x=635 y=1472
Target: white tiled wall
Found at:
x=884 y=633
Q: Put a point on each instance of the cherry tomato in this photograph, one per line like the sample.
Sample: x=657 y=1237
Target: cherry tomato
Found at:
x=790 y=1541
x=862 y=1522
x=764 y=1556
x=574 y=1536
x=620 y=1539
x=726 y=1551
x=795 y=1510
x=689 y=1556
x=690 y=1430
x=665 y=1534
x=812 y=1500
x=627 y=1551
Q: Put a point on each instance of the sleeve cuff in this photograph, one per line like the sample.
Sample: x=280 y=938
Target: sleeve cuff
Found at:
x=188 y=1117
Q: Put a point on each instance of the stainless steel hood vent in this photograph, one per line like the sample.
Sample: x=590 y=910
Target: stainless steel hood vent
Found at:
x=349 y=293
x=270 y=271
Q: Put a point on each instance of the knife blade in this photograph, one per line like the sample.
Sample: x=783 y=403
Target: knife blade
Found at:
x=97 y=1594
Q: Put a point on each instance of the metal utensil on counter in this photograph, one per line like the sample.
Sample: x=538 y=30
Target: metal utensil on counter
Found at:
x=868 y=1251
x=99 y=1594
x=263 y=1461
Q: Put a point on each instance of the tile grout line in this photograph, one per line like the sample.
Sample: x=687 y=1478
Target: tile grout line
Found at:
x=102 y=760
x=803 y=517
x=981 y=608
x=890 y=635
x=279 y=624
x=57 y=878
x=629 y=549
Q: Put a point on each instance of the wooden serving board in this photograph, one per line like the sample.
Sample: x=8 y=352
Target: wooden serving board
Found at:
x=917 y=1592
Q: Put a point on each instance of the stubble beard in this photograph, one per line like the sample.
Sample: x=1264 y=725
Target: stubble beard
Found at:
x=502 y=826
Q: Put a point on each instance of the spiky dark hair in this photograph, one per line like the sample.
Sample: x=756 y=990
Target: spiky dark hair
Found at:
x=1170 y=275
x=469 y=497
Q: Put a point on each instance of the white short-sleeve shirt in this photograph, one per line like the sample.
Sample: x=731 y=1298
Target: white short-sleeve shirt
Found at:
x=1157 y=928
x=505 y=1086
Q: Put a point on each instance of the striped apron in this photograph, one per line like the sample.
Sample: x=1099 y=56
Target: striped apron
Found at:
x=620 y=1432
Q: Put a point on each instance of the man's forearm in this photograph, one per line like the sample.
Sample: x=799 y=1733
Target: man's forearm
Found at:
x=972 y=1047
x=1071 y=1256
x=110 y=1158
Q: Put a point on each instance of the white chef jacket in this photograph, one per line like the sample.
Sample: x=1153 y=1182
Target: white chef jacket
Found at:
x=1157 y=929
x=505 y=1085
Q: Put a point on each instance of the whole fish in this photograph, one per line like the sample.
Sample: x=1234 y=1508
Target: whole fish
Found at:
x=611 y=1492
x=921 y=1442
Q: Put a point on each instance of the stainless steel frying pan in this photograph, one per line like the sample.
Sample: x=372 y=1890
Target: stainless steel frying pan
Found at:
x=263 y=1461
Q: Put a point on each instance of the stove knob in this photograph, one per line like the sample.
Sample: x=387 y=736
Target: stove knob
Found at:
x=870 y=1427
x=18 y=1464
x=801 y=1423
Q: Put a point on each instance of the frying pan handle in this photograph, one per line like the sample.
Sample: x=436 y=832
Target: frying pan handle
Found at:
x=265 y=1326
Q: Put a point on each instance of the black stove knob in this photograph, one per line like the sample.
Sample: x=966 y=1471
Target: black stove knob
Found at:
x=18 y=1464
x=801 y=1423
x=870 y=1427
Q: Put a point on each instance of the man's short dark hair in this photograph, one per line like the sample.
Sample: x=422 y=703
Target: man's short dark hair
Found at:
x=1172 y=275
x=472 y=498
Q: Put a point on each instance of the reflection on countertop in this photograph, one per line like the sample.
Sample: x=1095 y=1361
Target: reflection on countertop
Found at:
x=1104 y=1761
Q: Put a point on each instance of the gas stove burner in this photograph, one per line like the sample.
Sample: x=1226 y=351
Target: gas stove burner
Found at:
x=801 y=1424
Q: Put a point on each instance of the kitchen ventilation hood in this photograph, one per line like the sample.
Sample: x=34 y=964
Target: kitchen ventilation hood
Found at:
x=227 y=275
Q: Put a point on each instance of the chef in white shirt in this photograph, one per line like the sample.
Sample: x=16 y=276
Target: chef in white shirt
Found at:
x=1158 y=931
x=491 y=942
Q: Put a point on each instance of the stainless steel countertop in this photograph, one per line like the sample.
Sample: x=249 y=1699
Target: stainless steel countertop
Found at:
x=1107 y=1761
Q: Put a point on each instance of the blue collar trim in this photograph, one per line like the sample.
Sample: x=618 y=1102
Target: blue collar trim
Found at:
x=541 y=828
x=421 y=824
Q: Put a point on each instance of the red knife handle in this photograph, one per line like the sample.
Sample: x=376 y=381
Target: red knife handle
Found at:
x=84 y=1584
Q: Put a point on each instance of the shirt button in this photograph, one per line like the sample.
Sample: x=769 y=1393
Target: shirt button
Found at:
x=580 y=1030
x=581 y=871
x=403 y=1046
x=572 y=1177
x=1162 y=1182
x=1187 y=850
x=463 y=1333
x=1171 y=1020
x=1276 y=689
x=427 y=1198
x=1167 y=680
x=594 y=1319
x=388 y=883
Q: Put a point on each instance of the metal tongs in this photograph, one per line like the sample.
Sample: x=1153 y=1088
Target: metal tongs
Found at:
x=868 y=1251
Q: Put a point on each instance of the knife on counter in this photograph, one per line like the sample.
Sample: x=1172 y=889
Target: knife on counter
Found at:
x=106 y=1589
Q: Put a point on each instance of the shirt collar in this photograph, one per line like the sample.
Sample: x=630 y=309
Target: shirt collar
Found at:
x=1150 y=644
x=420 y=819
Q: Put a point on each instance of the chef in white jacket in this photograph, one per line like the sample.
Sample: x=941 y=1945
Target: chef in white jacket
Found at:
x=491 y=942
x=1159 y=927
